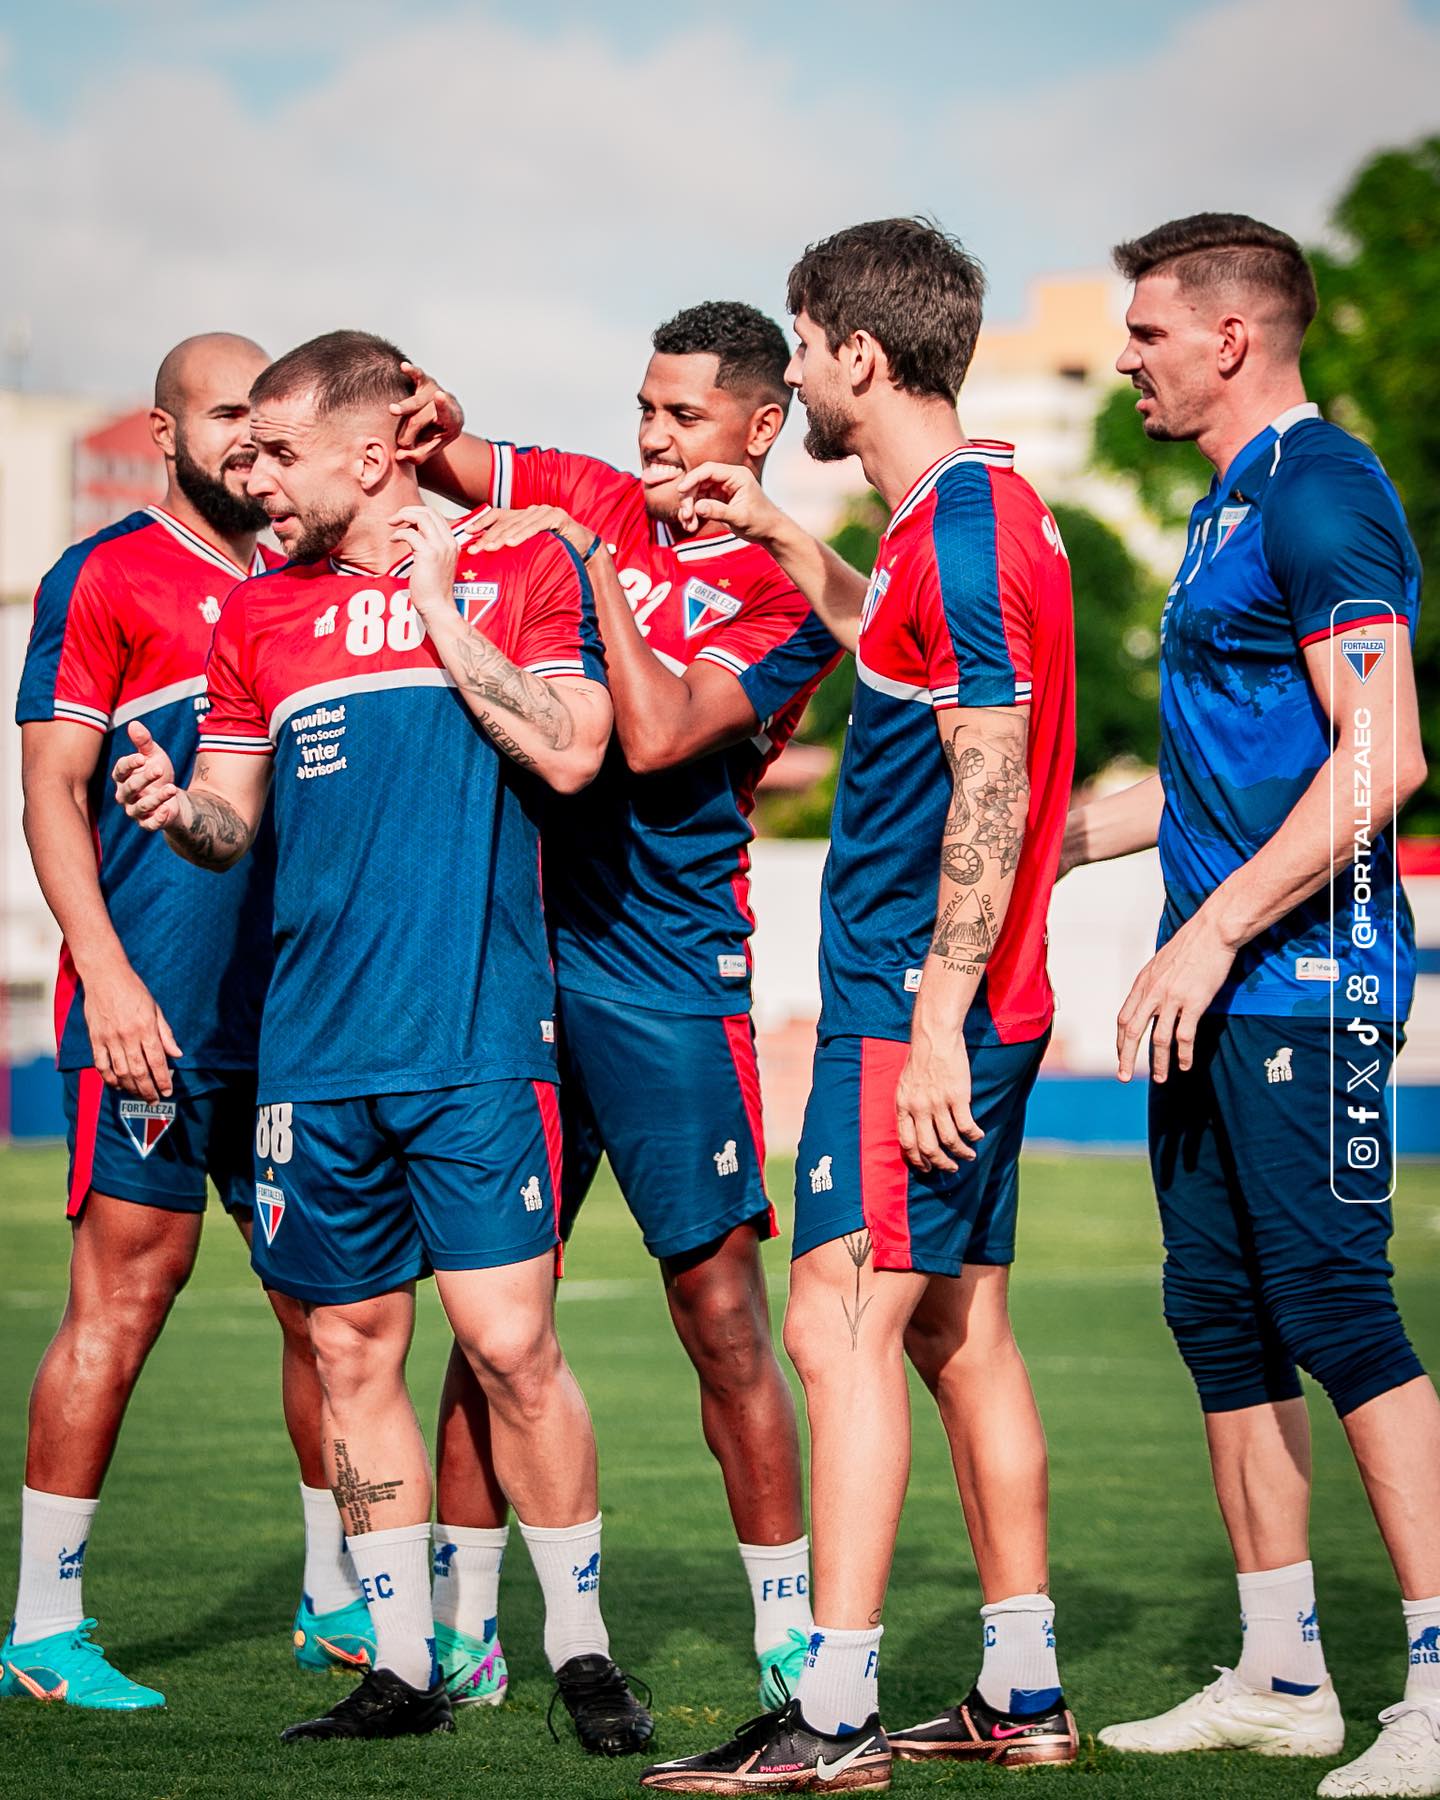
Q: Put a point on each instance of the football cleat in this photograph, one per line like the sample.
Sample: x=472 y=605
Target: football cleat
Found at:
x=780 y=1670
x=976 y=1732
x=379 y=1706
x=1404 y=1759
x=1231 y=1715
x=473 y=1669
x=778 y=1753
x=609 y=1720
x=67 y=1667
x=343 y=1640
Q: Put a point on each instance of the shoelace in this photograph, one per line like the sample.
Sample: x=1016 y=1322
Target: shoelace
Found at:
x=608 y=1684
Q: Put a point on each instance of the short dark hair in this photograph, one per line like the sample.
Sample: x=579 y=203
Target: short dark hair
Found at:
x=916 y=289
x=1214 y=250
x=341 y=369
x=752 y=350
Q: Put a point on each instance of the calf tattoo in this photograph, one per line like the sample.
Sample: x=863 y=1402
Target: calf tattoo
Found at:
x=859 y=1246
x=355 y=1496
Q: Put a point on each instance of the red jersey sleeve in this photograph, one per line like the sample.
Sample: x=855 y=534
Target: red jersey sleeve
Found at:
x=236 y=724
x=973 y=602
x=558 y=634
x=773 y=645
x=591 y=491
x=75 y=662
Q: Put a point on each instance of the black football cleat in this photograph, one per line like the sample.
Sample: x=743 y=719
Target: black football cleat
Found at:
x=380 y=1706
x=975 y=1732
x=609 y=1720
x=778 y=1753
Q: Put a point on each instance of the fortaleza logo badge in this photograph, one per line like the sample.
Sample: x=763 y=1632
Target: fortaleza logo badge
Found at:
x=475 y=598
x=706 y=606
x=146 y=1122
x=1231 y=517
x=270 y=1204
x=874 y=594
x=1364 y=655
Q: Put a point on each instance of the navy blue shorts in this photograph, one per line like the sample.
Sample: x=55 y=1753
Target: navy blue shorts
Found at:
x=1270 y=1188
x=158 y=1152
x=673 y=1099
x=850 y=1174
x=353 y=1198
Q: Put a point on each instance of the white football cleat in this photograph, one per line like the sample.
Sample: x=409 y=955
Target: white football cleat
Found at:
x=1231 y=1715
x=1404 y=1759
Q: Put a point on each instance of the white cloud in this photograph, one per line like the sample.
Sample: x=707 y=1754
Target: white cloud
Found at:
x=520 y=210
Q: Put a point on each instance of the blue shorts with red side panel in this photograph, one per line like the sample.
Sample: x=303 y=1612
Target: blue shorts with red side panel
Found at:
x=353 y=1198
x=850 y=1174
x=158 y=1152
x=673 y=1099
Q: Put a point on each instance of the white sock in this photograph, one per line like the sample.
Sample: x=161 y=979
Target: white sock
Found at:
x=840 y=1682
x=1422 y=1633
x=567 y=1562
x=467 y=1577
x=54 y=1530
x=780 y=1587
x=1280 y=1651
x=1019 y=1674
x=330 y=1581
x=394 y=1571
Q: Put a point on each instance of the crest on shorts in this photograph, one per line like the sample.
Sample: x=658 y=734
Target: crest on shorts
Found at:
x=270 y=1206
x=146 y=1122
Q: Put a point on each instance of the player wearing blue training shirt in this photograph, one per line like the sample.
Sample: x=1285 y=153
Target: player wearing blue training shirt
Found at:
x=408 y=1119
x=1289 y=737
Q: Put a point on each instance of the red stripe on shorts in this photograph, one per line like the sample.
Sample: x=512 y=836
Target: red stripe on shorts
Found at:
x=87 y=1125
x=547 y=1098
x=741 y=1039
x=884 y=1173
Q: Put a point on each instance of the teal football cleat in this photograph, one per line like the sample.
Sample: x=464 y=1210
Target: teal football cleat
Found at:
x=70 y=1669
x=343 y=1640
x=780 y=1670
x=473 y=1668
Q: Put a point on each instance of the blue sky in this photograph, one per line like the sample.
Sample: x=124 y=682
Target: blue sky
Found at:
x=519 y=192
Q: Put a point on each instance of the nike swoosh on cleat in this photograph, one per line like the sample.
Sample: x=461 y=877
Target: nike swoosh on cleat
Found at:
x=356 y=1659
x=828 y=1771
x=1009 y=1731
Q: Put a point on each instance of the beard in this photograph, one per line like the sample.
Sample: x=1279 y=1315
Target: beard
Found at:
x=827 y=431
x=320 y=533
x=223 y=510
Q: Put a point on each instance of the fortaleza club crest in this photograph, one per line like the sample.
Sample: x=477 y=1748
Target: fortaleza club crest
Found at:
x=475 y=598
x=706 y=606
x=874 y=594
x=1231 y=517
x=1363 y=654
x=270 y=1206
x=146 y=1122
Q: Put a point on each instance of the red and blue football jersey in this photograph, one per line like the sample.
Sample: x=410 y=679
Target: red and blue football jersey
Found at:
x=410 y=945
x=969 y=605
x=647 y=876
x=122 y=628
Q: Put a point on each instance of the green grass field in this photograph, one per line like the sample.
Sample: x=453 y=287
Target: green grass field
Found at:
x=195 y=1560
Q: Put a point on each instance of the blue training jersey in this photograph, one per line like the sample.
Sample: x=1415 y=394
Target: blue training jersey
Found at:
x=1303 y=540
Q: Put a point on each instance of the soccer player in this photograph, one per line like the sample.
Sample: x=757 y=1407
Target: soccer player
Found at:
x=1286 y=687
x=162 y=973
x=936 y=1007
x=408 y=1119
x=712 y=655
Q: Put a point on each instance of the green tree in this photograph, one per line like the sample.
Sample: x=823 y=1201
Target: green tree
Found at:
x=1167 y=478
x=1117 y=609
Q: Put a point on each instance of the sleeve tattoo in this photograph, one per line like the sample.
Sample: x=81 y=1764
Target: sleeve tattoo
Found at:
x=501 y=687
x=990 y=792
x=216 y=835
